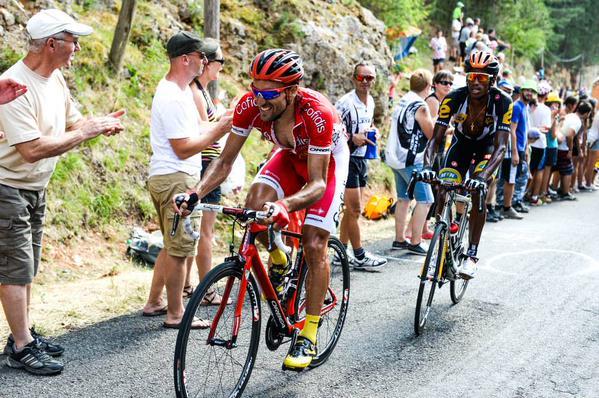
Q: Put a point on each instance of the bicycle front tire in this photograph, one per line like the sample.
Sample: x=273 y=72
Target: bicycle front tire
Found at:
x=218 y=367
x=333 y=320
x=426 y=289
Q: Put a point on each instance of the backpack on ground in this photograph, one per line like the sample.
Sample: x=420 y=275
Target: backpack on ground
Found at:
x=143 y=246
x=378 y=207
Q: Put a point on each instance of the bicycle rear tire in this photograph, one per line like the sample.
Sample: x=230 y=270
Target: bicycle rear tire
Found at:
x=199 y=367
x=427 y=287
x=331 y=322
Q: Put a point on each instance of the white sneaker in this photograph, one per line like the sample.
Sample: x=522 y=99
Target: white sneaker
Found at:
x=468 y=268
x=370 y=262
x=337 y=261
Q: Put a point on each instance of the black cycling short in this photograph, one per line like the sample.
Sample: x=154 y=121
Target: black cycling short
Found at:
x=357 y=175
x=214 y=196
x=466 y=155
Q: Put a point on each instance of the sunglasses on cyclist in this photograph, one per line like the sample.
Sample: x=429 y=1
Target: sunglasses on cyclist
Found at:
x=445 y=83
x=367 y=78
x=269 y=94
x=481 y=77
x=220 y=61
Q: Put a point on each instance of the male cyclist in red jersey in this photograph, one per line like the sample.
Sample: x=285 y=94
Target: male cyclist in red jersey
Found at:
x=482 y=115
x=308 y=171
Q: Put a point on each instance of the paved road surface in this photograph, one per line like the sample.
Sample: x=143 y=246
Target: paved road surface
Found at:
x=527 y=327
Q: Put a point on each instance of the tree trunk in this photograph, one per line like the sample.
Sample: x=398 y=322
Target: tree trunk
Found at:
x=212 y=29
x=121 y=34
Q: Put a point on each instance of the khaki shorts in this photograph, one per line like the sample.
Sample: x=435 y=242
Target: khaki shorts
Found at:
x=21 y=230
x=162 y=189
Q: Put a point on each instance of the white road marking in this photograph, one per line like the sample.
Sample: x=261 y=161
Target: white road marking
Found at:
x=593 y=264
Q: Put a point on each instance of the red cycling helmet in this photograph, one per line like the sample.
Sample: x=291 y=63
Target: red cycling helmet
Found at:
x=277 y=65
x=482 y=61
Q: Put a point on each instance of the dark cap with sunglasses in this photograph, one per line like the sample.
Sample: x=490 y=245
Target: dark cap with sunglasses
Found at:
x=186 y=43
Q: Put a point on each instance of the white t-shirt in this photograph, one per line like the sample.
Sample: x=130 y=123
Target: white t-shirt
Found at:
x=571 y=122
x=47 y=109
x=439 y=46
x=356 y=116
x=174 y=116
x=541 y=119
x=455 y=29
x=593 y=133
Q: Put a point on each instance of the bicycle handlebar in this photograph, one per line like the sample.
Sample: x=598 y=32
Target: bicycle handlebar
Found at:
x=448 y=186
x=239 y=213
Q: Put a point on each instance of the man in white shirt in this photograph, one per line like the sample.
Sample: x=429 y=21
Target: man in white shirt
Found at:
x=40 y=125
x=541 y=121
x=356 y=110
x=177 y=141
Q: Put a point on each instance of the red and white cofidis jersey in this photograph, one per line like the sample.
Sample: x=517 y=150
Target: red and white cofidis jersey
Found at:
x=317 y=130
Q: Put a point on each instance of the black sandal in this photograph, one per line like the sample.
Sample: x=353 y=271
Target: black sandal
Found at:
x=187 y=291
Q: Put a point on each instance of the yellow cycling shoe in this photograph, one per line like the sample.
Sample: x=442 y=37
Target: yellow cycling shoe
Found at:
x=301 y=355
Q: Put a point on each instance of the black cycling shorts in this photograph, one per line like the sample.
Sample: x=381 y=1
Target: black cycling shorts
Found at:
x=466 y=155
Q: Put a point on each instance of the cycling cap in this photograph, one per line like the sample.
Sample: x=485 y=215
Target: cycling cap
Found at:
x=277 y=65
x=553 y=97
x=482 y=61
x=530 y=85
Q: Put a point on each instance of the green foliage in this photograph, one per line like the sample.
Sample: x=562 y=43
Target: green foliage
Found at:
x=8 y=57
x=398 y=13
x=575 y=30
x=525 y=24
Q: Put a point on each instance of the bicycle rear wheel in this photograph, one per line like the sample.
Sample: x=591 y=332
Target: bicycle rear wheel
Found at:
x=335 y=305
x=426 y=290
x=218 y=367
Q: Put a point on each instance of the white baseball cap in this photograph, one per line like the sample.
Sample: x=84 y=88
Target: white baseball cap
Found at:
x=50 y=22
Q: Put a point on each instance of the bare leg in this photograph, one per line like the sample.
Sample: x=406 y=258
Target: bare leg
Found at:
x=315 y=243
x=508 y=194
x=188 y=265
x=546 y=178
x=401 y=215
x=174 y=277
x=537 y=183
x=155 y=301
x=350 y=229
x=204 y=257
x=14 y=302
x=418 y=220
x=477 y=220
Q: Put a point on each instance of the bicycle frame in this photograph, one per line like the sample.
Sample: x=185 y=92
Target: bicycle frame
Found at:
x=286 y=319
x=451 y=197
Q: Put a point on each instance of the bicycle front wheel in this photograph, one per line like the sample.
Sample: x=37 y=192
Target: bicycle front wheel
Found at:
x=334 y=311
x=219 y=365
x=457 y=287
x=426 y=291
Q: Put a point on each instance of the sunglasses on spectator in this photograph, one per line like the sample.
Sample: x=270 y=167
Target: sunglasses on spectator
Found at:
x=367 y=78
x=74 y=41
x=269 y=94
x=481 y=77
x=220 y=61
x=445 y=83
